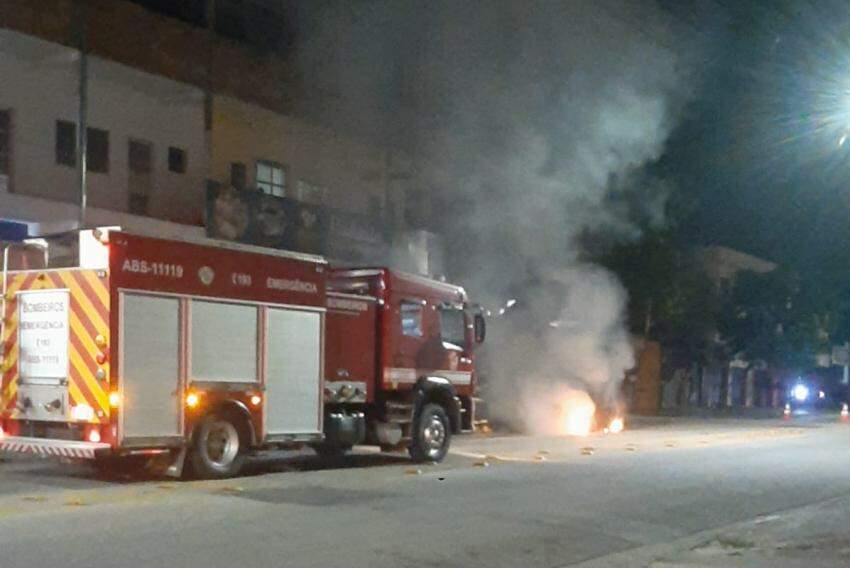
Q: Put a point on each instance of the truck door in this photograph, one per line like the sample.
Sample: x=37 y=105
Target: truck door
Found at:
x=149 y=368
x=43 y=337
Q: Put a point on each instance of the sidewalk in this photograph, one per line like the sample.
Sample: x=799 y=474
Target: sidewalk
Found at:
x=814 y=536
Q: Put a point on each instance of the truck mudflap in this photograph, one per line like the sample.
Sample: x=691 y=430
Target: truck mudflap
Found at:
x=52 y=447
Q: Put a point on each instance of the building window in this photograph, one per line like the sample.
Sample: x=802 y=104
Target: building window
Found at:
x=306 y=192
x=140 y=161
x=238 y=175
x=97 y=147
x=411 y=318
x=176 y=160
x=271 y=178
x=97 y=150
x=139 y=156
x=66 y=143
x=5 y=145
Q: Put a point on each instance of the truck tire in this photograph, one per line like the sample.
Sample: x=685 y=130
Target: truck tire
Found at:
x=218 y=449
x=432 y=434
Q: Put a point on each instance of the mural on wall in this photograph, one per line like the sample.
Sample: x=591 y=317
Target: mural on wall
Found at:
x=255 y=218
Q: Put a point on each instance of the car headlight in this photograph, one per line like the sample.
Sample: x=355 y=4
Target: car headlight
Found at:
x=801 y=393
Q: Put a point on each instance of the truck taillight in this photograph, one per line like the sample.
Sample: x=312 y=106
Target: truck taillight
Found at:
x=114 y=399
x=101 y=357
x=256 y=400
x=192 y=400
x=94 y=435
x=2 y=433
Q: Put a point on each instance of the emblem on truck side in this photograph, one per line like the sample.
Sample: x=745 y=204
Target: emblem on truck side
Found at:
x=206 y=275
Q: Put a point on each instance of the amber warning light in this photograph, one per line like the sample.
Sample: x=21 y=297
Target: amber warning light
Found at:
x=192 y=400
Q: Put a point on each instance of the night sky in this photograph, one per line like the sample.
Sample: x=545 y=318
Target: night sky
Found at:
x=757 y=158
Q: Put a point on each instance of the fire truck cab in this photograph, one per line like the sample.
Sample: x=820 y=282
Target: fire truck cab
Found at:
x=199 y=354
x=401 y=347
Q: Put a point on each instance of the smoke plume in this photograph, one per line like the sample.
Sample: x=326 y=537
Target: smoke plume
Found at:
x=533 y=124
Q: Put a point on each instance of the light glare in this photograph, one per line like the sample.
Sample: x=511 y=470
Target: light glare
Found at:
x=82 y=413
x=616 y=426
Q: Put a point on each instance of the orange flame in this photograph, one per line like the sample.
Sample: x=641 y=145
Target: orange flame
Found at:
x=616 y=426
x=577 y=411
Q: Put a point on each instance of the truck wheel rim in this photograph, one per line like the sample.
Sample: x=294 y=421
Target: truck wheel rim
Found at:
x=434 y=435
x=221 y=444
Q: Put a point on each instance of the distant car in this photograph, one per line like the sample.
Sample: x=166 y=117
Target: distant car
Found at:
x=811 y=394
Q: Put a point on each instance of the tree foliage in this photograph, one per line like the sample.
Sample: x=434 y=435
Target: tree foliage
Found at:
x=669 y=295
x=782 y=317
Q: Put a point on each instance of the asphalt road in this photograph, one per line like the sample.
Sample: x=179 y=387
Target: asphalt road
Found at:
x=502 y=501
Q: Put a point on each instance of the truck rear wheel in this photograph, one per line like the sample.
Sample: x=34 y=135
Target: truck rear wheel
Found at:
x=218 y=450
x=432 y=434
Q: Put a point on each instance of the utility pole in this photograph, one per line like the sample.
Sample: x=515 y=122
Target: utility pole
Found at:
x=210 y=18
x=81 y=31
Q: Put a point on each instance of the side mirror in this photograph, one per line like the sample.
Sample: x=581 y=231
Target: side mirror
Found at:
x=480 y=328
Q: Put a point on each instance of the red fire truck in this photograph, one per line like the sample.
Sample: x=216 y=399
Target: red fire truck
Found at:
x=199 y=354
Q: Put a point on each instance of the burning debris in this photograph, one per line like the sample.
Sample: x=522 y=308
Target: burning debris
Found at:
x=616 y=426
x=576 y=412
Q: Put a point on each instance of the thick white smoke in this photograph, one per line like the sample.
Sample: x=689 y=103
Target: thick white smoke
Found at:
x=533 y=123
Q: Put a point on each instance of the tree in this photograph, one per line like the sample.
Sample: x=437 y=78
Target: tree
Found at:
x=782 y=317
x=670 y=298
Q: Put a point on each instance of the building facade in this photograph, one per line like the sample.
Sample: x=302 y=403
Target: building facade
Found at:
x=179 y=117
x=146 y=151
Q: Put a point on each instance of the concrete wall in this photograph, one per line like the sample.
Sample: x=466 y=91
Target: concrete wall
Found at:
x=40 y=86
x=129 y=34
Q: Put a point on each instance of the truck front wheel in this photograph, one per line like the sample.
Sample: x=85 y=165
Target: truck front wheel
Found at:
x=217 y=449
x=432 y=434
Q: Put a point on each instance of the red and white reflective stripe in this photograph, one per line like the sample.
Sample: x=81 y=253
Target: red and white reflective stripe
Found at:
x=54 y=448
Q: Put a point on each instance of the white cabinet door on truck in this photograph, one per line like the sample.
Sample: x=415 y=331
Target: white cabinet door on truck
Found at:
x=293 y=375
x=150 y=367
